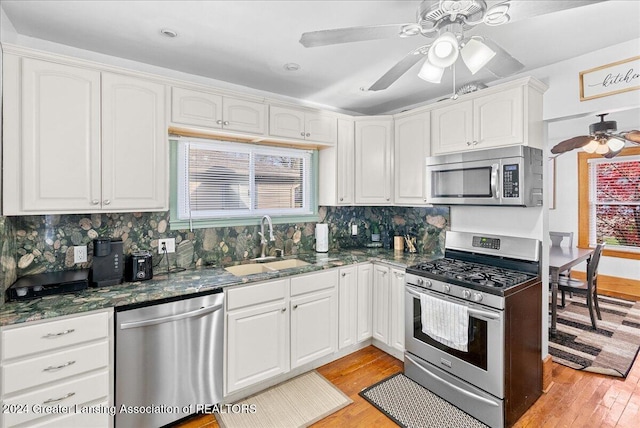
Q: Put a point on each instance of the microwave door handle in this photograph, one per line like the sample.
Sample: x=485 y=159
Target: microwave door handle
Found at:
x=495 y=189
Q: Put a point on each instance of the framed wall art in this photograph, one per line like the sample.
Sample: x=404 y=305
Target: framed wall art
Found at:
x=609 y=79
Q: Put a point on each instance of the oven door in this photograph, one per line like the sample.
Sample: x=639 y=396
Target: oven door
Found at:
x=482 y=365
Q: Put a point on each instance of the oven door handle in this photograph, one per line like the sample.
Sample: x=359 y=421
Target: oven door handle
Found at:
x=457 y=388
x=472 y=311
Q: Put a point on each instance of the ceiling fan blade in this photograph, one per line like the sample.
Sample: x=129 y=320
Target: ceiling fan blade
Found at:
x=336 y=36
x=519 y=10
x=633 y=136
x=570 y=144
x=503 y=64
x=395 y=72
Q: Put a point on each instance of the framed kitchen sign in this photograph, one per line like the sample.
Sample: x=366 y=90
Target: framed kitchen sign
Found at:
x=609 y=79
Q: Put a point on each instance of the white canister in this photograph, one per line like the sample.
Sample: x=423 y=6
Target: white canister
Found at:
x=322 y=237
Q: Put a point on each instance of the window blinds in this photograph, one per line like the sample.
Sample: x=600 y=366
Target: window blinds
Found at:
x=614 y=201
x=220 y=179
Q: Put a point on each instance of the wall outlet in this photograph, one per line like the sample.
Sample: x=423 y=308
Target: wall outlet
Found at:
x=170 y=244
x=80 y=254
x=354 y=229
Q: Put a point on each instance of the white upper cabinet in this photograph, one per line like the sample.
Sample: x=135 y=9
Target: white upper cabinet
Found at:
x=85 y=141
x=206 y=109
x=373 y=160
x=134 y=144
x=502 y=115
x=411 y=147
x=302 y=125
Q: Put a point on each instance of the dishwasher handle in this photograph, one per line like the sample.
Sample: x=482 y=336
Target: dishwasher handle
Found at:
x=155 y=321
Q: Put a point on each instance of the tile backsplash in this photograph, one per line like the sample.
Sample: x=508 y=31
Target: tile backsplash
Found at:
x=36 y=244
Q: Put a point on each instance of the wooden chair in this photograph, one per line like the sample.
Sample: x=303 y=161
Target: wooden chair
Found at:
x=588 y=287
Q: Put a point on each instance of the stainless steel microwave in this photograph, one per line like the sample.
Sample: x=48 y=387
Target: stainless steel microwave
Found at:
x=503 y=176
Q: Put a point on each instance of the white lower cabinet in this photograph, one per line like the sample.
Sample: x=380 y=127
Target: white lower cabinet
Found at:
x=381 y=287
x=64 y=364
x=275 y=326
x=348 y=306
x=388 y=307
x=365 y=302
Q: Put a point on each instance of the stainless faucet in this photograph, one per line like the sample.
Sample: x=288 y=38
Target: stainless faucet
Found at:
x=263 y=240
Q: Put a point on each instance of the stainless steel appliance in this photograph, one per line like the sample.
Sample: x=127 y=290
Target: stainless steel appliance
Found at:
x=503 y=176
x=169 y=357
x=107 y=265
x=497 y=279
x=139 y=266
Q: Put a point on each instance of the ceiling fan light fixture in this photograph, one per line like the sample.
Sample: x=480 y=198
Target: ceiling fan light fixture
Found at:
x=602 y=149
x=591 y=146
x=476 y=55
x=431 y=73
x=444 y=50
x=615 y=144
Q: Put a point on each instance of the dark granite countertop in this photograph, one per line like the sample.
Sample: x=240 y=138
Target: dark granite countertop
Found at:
x=187 y=283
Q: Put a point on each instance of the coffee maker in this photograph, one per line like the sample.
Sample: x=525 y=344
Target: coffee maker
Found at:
x=108 y=262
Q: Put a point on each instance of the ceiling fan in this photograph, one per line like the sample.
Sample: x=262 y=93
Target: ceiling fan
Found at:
x=602 y=139
x=444 y=22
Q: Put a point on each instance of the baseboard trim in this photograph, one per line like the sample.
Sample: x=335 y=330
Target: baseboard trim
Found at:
x=547 y=374
x=614 y=286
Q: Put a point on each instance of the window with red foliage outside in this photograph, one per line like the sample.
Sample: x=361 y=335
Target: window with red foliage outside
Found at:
x=614 y=202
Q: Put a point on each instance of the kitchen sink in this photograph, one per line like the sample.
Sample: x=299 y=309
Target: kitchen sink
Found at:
x=251 y=269
x=286 y=264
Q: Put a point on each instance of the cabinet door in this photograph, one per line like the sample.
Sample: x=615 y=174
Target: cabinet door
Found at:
x=59 y=156
x=373 y=139
x=196 y=108
x=257 y=344
x=347 y=306
x=381 y=284
x=286 y=122
x=397 y=309
x=452 y=128
x=134 y=145
x=346 y=162
x=499 y=119
x=365 y=302
x=320 y=127
x=243 y=116
x=314 y=328
x=411 y=146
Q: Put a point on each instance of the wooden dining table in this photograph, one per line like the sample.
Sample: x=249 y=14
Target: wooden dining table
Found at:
x=562 y=259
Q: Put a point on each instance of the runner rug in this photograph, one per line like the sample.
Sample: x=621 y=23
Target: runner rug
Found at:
x=412 y=406
x=298 y=402
x=611 y=349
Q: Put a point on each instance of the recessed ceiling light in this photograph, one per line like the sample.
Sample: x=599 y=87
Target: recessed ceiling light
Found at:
x=168 y=33
x=291 y=66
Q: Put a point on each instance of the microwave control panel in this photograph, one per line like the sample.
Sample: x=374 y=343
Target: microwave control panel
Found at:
x=511 y=181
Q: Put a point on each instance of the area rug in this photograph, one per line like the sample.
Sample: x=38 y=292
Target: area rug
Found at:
x=298 y=402
x=412 y=406
x=611 y=349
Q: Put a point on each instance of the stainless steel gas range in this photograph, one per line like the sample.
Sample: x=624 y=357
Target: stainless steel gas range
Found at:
x=473 y=325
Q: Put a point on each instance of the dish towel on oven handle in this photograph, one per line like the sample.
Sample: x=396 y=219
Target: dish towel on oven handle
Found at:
x=445 y=322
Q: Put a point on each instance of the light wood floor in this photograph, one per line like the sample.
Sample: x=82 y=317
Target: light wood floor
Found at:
x=576 y=398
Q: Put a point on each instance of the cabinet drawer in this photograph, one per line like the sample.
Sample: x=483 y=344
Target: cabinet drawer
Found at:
x=26 y=340
x=78 y=420
x=55 y=366
x=256 y=294
x=314 y=282
x=63 y=394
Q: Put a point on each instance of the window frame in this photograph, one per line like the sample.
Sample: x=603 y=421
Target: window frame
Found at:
x=583 y=203
x=175 y=223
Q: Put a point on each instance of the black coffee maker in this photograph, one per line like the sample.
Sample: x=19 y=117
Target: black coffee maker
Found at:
x=108 y=262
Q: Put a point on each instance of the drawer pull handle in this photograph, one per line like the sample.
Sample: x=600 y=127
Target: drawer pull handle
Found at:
x=62 y=333
x=54 y=368
x=55 y=400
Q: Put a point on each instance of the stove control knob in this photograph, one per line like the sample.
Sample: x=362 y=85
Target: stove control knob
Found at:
x=420 y=281
x=477 y=297
x=446 y=288
x=466 y=294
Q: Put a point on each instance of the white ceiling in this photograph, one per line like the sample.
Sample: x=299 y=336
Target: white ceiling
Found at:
x=248 y=42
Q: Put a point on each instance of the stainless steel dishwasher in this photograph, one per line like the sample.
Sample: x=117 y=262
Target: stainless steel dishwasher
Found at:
x=168 y=358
